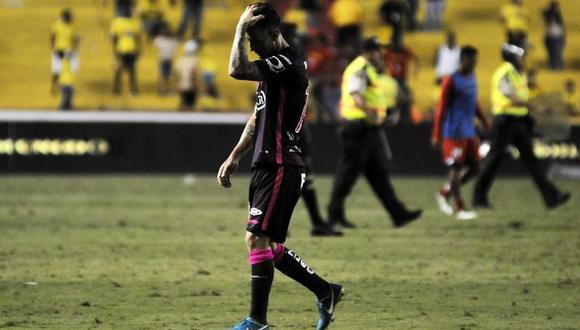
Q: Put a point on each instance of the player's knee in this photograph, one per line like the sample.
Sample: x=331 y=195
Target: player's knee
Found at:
x=257 y=242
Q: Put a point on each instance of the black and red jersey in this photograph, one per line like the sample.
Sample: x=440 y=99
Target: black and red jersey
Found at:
x=280 y=109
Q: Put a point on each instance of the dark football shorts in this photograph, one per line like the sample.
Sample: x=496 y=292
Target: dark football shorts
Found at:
x=274 y=192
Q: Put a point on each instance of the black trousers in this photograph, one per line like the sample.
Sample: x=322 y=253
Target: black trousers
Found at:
x=364 y=149
x=508 y=130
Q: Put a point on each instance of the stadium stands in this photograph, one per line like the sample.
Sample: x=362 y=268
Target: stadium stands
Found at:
x=25 y=58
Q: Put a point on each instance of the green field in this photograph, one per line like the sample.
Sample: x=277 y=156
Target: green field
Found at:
x=149 y=252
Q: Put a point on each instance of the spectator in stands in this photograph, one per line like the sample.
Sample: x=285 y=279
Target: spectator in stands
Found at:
x=554 y=37
x=187 y=74
x=411 y=15
x=192 y=11
x=126 y=37
x=66 y=80
x=124 y=7
x=63 y=39
x=397 y=58
x=515 y=19
x=166 y=45
x=434 y=10
x=325 y=89
x=533 y=84
x=152 y=13
x=571 y=98
x=392 y=13
x=347 y=16
x=447 y=57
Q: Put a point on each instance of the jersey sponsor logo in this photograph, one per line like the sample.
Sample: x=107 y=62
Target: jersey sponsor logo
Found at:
x=275 y=64
x=260 y=101
x=255 y=212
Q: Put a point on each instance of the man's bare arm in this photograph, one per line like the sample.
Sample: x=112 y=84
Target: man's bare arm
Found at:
x=231 y=163
x=240 y=66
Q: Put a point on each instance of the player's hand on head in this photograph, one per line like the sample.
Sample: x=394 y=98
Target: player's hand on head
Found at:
x=225 y=172
x=248 y=18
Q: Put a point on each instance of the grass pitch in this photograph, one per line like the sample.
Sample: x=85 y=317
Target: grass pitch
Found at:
x=80 y=252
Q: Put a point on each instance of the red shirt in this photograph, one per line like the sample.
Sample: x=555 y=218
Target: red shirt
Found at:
x=398 y=61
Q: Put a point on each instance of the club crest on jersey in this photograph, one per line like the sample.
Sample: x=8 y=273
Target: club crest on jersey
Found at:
x=255 y=212
x=260 y=101
x=275 y=64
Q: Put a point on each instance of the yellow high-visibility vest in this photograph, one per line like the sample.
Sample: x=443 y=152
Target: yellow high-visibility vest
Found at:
x=501 y=104
x=374 y=95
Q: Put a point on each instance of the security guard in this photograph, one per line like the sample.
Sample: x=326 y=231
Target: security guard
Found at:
x=364 y=147
x=512 y=124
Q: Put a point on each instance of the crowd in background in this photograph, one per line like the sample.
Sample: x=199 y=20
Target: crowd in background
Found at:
x=333 y=35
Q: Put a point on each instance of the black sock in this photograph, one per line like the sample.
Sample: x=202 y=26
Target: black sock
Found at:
x=291 y=265
x=309 y=197
x=262 y=277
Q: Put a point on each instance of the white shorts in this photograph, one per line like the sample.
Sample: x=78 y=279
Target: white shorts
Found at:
x=56 y=63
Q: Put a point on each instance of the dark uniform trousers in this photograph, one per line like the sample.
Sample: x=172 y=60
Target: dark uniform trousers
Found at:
x=514 y=130
x=364 y=149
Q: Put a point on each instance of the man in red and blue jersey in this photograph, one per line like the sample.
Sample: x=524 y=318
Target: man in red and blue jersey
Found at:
x=454 y=125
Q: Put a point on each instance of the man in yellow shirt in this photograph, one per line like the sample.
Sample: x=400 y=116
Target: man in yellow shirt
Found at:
x=63 y=38
x=513 y=125
x=126 y=37
x=515 y=18
x=364 y=146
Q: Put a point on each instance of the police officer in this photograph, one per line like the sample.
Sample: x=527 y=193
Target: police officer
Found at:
x=512 y=124
x=364 y=145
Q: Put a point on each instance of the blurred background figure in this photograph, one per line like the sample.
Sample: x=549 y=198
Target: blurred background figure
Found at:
x=447 y=57
x=187 y=74
x=515 y=19
x=554 y=37
x=325 y=83
x=152 y=14
x=192 y=12
x=124 y=7
x=63 y=39
x=347 y=16
x=412 y=10
x=166 y=46
x=534 y=87
x=66 y=81
x=434 y=11
x=397 y=59
x=392 y=13
x=126 y=38
x=571 y=98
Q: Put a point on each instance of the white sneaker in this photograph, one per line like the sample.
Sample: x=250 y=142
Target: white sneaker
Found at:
x=443 y=204
x=466 y=215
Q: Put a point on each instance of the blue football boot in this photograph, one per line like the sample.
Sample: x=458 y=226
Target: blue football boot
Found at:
x=336 y=292
x=249 y=324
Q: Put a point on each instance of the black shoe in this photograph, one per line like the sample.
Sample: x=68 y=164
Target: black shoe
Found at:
x=561 y=199
x=342 y=223
x=324 y=230
x=482 y=204
x=407 y=218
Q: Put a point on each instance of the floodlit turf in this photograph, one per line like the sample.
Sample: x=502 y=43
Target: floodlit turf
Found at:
x=154 y=253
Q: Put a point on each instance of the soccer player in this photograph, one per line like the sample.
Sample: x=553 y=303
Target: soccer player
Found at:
x=513 y=124
x=454 y=120
x=277 y=166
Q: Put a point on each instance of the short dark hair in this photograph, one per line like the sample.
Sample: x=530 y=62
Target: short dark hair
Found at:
x=468 y=51
x=66 y=15
x=271 y=18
